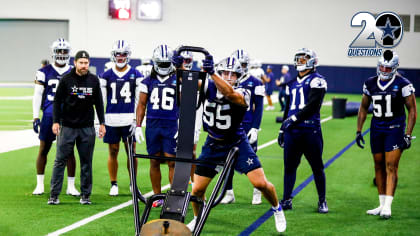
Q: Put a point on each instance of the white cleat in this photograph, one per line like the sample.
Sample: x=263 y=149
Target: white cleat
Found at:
x=72 y=191
x=191 y=225
x=39 y=190
x=385 y=213
x=229 y=197
x=279 y=220
x=114 y=190
x=375 y=211
x=256 y=197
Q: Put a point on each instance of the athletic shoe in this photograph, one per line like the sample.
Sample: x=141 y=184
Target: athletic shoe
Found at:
x=157 y=203
x=72 y=191
x=279 y=219
x=286 y=204
x=114 y=190
x=191 y=225
x=85 y=200
x=322 y=207
x=385 y=213
x=375 y=211
x=39 y=190
x=53 y=200
x=256 y=197
x=229 y=197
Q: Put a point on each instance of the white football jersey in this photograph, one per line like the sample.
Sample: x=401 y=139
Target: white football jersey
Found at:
x=145 y=70
x=257 y=73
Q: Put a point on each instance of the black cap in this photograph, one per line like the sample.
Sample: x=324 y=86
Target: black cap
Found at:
x=81 y=54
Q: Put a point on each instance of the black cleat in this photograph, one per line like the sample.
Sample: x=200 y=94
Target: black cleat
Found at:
x=53 y=200
x=323 y=207
x=85 y=200
x=286 y=204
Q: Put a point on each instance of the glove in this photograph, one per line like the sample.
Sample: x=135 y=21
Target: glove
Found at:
x=252 y=135
x=132 y=129
x=407 y=142
x=36 y=123
x=208 y=64
x=288 y=123
x=177 y=59
x=359 y=139
x=280 y=139
x=139 y=135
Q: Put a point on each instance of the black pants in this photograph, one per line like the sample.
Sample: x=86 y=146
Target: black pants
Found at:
x=84 y=138
x=308 y=142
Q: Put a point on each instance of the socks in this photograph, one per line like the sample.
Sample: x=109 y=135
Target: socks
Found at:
x=70 y=182
x=114 y=183
x=388 y=202
x=40 y=179
x=381 y=200
x=276 y=208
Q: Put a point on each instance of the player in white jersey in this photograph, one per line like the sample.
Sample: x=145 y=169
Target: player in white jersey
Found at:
x=146 y=67
x=120 y=90
x=46 y=83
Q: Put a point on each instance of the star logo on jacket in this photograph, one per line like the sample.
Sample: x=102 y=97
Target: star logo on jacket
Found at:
x=395 y=147
x=74 y=89
x=250 y=161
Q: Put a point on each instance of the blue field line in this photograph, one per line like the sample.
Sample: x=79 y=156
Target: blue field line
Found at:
x=269 y=213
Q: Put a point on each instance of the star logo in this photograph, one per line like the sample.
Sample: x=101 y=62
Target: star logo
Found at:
x=74 y=89
x=395 y=147
x=250 y=161
x=388 y=29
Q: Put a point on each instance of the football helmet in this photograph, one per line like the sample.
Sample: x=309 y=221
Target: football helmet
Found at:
x=230 y=65
x=309 y=56
x=387 y=65
x=243 y=58
x=162 y=56
x=121 y=53
x=61 y=51
x=188 y=59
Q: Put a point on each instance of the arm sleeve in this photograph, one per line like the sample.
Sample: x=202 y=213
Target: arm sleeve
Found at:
x=37 y=100
x=137 y=90
x=286 y=111
x=58 y=100
x=99 y=104
x=258 y=112
x=316 y=95
x=103 y=84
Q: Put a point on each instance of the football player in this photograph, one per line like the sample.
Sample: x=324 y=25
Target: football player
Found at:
x=300 y=132
x=224 y=109
x=145 y=68
x=46 y=83
x=389 y=136
x=157 y=95
x=252 y=119
x=120 y=89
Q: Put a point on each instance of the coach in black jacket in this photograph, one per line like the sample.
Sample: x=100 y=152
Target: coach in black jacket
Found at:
x=73 y=116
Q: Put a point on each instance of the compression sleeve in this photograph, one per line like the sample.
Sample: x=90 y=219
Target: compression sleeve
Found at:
x=37 y=100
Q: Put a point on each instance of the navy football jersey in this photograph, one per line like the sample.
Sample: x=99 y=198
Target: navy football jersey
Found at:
x=222 y=118
x=161 y=103
x=121 y=95
x=298 y=90
x=255 y=88
x=388 y=100
x=49 y=76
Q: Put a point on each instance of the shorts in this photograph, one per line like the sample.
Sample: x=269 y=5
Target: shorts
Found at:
x=116 y=134
x=45 y=130
x=268 y=89
x=161 y=139
x=386 y=140
x=215 y=151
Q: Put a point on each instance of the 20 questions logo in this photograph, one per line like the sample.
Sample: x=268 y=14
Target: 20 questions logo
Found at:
x=384 y=31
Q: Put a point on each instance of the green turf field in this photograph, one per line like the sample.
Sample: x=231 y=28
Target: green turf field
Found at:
x=350 y=191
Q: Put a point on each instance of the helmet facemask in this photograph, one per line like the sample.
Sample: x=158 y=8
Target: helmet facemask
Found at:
x=387 y=65
x=61 y=52
x=162 y=56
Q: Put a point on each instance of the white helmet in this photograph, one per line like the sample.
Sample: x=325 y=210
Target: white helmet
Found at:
x=387 y=65
x=121 y=53
x=232 y=65
x=61 y=51
x=188 y=59
x=310 y=57
x=243 y=58
x=162 y=56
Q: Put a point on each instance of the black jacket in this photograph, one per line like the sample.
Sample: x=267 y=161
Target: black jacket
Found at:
x=74 y=100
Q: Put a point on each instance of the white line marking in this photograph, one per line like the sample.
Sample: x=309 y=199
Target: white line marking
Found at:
x=17 y=98
x=100 y=215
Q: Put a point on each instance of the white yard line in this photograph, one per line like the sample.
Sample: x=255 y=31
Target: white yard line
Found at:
x=99 y=215
x=16 y=98
x=15 y=140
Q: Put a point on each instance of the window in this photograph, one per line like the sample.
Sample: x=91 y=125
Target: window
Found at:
x=417 y=23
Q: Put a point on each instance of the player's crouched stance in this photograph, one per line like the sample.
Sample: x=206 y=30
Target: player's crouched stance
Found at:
x=388 y=92
x=224 y=109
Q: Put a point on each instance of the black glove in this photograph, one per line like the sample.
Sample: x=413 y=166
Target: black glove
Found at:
x=288 y=123
x=177 y=59
x=280 y=139
x=359 y=139
x=407 y=142
x=208 y=64
x=36 y=123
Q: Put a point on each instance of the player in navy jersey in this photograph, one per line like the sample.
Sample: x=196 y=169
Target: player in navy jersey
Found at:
x=224 y=109
x=300 y=133
x=389 y=93
x=46 y=83
x=157 y=96
x=252 y=119
x=120 y=91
